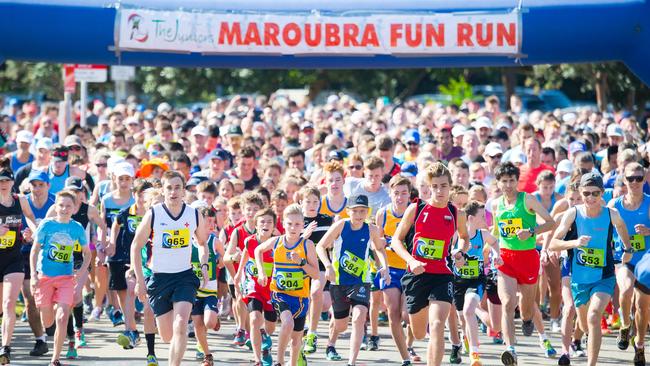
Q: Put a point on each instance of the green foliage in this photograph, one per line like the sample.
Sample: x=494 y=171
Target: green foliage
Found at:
x=23 y=77
x=458 y=89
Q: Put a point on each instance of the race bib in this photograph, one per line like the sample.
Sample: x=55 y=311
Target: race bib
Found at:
x=8 y=240
x=592 y=257
x=61 y=253
x=196 y=267
x=352 y=264
x=638 y=242
x=289 y=281
x=176 y=239
x=133 y=222
x=430 y=248
x=251 y=268
x=470 y=270
x=77 y=246
x=508 y=227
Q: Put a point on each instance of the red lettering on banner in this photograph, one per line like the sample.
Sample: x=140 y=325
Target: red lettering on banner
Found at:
x=271 y=32
x=369 y=36
x=252 y=35
x=350 y=34
x=312 y=40
x=464 y=32
x=484 y=37
x=413 y=40
x=332 y=37
x=230 y=35
x=437 y=34
x=509 y=35
x=395 y=34
x=291 y=28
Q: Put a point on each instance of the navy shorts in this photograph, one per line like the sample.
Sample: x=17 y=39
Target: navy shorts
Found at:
x=201 y=304
x=396 y=275
x=463 y=287
x=164 y=289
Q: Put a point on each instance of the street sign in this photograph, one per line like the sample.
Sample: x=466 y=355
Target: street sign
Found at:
x=122 y=73
x=89 y=73
x=69 y=83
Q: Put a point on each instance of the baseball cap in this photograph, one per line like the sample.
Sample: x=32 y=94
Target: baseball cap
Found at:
x=131 y=121
x=458 y=130
x=6 y=174
x=576 y=147
x=72 y=140
x=358 y=201
x=195 y=180
x=493 y=149
x=335 y=155
x=38 y=175
x=565 y=166
x=412 y=135
x=123 y=169
x=482 y=122
x=60 y=153
x=24 y=136
x=306 y=126
x=500 y=135
x=591 y=179
x=218 y=154
x=74 y=183
x=44 y=143
x=164 y=107
x=409 y=169
x=614 y=130
x=235 y=130
x=200 y=130
x=503 y=125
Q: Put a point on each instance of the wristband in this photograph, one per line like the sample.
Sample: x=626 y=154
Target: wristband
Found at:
x=206 y=265
x=302 y=262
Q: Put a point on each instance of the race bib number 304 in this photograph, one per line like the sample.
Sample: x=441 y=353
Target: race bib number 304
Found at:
x=508 y=227
x=175 y=239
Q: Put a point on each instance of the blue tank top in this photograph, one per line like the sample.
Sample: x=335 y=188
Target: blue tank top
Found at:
x=16 y=164
x=595 y=261
x=351 y=260
x=639 y=216
x=57 y=182
x=39 y=215
x=112 y=209
x=473 y=267
x=539 y=198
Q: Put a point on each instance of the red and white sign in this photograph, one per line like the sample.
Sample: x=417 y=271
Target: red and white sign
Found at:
x=315 y=34
x=69 y=83
x=88 y=72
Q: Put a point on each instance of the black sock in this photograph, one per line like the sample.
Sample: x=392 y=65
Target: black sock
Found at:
x=50 y=330
x=78 y=313
x=151 y=339
x=70 y=327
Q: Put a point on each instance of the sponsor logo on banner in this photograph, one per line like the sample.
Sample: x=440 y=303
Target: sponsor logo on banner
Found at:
x=318 y=34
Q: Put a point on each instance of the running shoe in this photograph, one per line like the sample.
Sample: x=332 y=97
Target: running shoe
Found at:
x=414 y=356
x=310 y=341
x=556 y=327
x=407 y=363
x=80 y=338
x=72 y=351
x=124 y=340
x=96 y=314
x=152 y=360
x=199 y=352
x=302 y=360
x=23 y=317
x=482 y=327
x=116 y=318
x=497 y=337
x=564 y=360
x=190 y=330
x=208 y=360
x=373 y=343
x=475 y=359
x=576 y=349
x=639 y=354
x=527 y=327
x=248 y=342
x=465 y=345
x=454 y=357
x=240 y=338
x=364 y=342
x=509 y=357
x=549 y=351
x=623 y=339
x=267 y=343
x=5 y=355
x=615 y=321
x=267 y=359
x=40 y=348
x=331 y=354
x=134 y=338
x=55 y=363
x=382 y=318
x=324 y=316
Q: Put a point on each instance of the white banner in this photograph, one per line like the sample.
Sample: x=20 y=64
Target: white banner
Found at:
x=314 y=34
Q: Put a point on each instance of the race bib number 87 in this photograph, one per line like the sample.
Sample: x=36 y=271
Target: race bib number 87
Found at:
x=430 y=248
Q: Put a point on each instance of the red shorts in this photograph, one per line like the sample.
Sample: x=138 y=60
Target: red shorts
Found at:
x=261 y=296
x=54 y=290
x=522 y=265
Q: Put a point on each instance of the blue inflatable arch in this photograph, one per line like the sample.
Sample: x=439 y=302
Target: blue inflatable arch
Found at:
x=550 y=32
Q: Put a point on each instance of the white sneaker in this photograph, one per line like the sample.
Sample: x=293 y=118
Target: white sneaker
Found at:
x=556 y=327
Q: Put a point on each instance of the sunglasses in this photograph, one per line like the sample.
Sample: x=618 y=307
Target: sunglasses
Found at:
x=60 y=154
x=101 y=165
x=412 y=143
x=592 y=193
x=74 y=148
x=355 y=167
x=634 y=178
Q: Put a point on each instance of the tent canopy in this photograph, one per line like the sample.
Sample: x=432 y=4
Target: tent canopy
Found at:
x=548 y=31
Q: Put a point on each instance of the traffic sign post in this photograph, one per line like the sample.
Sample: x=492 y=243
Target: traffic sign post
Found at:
x=121 y=75
x=84 y=74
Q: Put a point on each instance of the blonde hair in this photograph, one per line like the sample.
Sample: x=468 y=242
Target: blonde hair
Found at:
x=293 y=209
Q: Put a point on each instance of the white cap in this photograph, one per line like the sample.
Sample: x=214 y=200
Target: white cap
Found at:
x=113 y=162
x=44 y=143
x=565 y=166
x=131 y=120
x=482 y=122
x=518 y=158
x=24 y=136
x=332 y=99
x=200 y=130
x=123 y=169
x=458 y=130
x=614 y=130
x=493 y=148
x=164 y=107
x=503 y=124
x=569 y=117
x=199 y=204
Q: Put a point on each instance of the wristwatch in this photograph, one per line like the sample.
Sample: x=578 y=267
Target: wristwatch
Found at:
x=303 y=262
x=628 y=250
x=531 y=231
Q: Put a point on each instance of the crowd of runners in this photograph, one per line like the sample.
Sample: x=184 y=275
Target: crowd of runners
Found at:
x=444 y=222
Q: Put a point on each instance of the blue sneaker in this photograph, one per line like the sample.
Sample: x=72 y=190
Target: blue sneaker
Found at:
x=134 y=338
x=331 y=354
x=124 y=340
x=116 y=318
x=240 y=338
x=267 y=359
x=266 y=342
x=549 y=351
